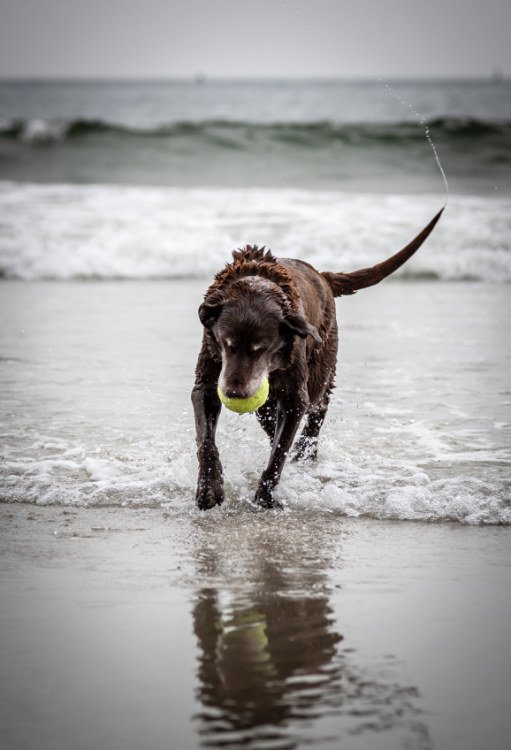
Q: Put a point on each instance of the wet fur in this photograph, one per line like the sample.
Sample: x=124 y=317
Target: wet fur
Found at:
x=275 y=317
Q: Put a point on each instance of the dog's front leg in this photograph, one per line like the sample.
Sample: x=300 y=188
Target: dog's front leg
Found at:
x=206 y=405
x=289 y=413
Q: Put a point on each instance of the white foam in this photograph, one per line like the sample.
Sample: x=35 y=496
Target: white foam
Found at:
x=39 y=130
x=65 y=232
x=346 y=479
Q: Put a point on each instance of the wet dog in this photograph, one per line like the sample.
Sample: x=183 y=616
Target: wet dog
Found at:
x=272 y=317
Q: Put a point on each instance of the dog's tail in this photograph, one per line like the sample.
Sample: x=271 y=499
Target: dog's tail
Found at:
x=349 y=283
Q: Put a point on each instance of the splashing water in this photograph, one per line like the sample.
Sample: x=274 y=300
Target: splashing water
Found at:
x=420 y=118
x=423 y=122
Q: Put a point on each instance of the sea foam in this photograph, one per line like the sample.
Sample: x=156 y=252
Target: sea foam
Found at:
x=345 y=480
x=120 y=232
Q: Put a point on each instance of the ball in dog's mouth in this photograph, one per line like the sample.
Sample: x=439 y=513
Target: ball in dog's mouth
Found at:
x=244 y=405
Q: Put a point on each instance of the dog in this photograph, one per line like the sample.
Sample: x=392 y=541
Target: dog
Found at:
x=272 y=317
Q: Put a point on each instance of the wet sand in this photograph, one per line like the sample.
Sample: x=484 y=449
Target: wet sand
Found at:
x=147 y=628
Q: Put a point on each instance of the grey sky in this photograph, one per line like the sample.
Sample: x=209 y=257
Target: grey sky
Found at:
x=132 y=38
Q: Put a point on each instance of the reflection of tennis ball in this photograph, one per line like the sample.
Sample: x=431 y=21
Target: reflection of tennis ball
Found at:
x=243 y=405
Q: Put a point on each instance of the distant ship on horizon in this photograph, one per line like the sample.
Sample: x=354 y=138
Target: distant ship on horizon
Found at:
x=497 y=75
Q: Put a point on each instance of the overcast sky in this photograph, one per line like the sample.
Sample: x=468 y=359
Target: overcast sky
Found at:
x=166 y=38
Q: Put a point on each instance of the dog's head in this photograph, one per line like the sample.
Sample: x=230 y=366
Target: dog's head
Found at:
x=254 y=332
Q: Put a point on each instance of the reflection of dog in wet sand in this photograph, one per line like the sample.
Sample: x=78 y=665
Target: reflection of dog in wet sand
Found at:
x=268 y=648
x=268 y=319
x=249 y=654
x=272 y=665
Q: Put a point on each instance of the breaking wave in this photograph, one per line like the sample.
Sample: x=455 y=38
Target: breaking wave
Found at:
x=122 y=232
x=238 y=134
x=361 y=156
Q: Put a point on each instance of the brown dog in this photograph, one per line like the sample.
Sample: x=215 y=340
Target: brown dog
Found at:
x=269 y=317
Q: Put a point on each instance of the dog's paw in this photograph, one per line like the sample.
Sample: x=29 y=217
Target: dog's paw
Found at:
x=207 y=496
x=264 y=497
x=210 y=490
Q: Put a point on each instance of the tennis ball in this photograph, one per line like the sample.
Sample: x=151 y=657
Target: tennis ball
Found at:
x=244 y=405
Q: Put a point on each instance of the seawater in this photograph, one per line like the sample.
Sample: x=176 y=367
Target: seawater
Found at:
x=118 y=200
x=344 y=135
x=163 y=179
x=95 y=395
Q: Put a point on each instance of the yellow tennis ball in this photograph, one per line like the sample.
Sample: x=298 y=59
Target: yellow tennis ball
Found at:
x=243 y=405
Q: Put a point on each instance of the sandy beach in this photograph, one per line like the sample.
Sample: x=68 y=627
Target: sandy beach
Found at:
x=140 y=628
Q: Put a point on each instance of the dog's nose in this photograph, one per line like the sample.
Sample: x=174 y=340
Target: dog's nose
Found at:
x=238 y=392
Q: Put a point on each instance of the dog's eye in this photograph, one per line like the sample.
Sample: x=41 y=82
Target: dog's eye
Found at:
x=257 y=348
x=229 y=344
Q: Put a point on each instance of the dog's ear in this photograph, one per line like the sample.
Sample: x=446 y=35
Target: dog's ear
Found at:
x=297 y=325
x=210 y=309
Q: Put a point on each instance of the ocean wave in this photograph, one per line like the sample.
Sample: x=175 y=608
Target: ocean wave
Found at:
x=104 y=232
x=40 y=130
x=383 y=157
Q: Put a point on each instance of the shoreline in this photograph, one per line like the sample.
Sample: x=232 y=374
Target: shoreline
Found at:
x=95 y=390
x=135 y=626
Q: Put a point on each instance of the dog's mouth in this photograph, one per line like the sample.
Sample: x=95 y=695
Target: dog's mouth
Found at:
x=232 y=388
x=238 y=392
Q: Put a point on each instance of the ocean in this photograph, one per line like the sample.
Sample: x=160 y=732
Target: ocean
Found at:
x=161 y=180
x=154 y=183
x=373 y=611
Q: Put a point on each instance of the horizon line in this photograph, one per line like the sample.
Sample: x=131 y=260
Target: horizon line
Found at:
x=203 y=78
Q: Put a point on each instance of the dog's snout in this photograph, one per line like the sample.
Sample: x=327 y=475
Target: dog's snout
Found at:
x=239 y=384
x=235 y=391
